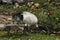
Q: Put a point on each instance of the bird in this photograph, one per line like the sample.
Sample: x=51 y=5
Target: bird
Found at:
x=26 y=17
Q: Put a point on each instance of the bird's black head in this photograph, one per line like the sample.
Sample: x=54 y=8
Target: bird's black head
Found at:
x=18 y=16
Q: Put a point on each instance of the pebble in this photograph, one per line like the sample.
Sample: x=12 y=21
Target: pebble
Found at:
x=36 y=4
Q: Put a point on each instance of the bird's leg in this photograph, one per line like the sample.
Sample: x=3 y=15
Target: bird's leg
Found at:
x=26 y=29
x=36 y=25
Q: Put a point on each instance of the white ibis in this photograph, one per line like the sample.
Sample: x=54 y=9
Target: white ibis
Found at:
x=27 y=18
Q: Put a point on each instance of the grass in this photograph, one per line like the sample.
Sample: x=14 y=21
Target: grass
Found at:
x=42 y=19
x=33 y=36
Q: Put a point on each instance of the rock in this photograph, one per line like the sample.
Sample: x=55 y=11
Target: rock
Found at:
x=36 y=4
x=57 y=18
x=30 y=4
x=32 y=7
x=16 y=5
x=7 y=1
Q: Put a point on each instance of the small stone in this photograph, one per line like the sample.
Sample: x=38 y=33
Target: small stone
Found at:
x=57 y=18
x=36 y=4
x=28 y=39
x=16 y=5
x=32 y=7
x=30 y=4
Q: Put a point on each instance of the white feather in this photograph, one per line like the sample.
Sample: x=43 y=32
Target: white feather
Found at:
x=29 y=18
